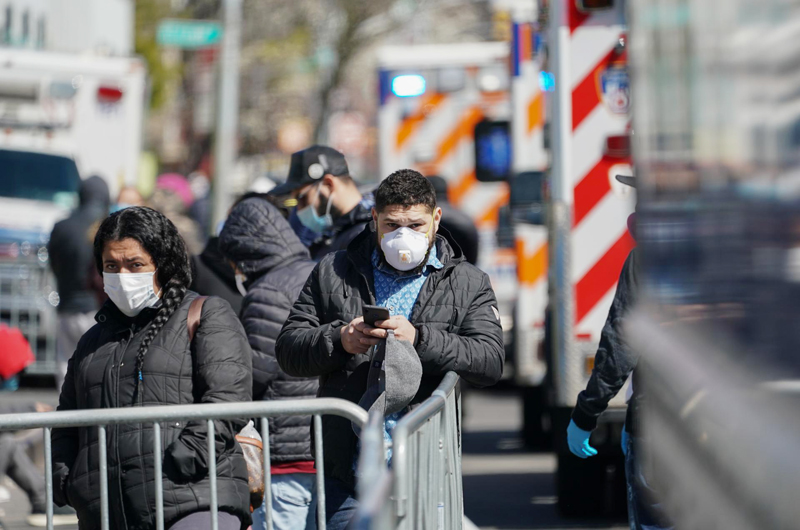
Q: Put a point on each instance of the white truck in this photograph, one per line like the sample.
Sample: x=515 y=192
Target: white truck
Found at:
x=63 y=117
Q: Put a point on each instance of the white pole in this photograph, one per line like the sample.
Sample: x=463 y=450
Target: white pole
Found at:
x=228 y=109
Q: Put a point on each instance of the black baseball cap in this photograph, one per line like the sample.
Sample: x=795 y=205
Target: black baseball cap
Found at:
x=310 y=165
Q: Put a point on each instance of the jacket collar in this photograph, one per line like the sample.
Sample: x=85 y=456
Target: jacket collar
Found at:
x=360 y=214
x=116 y=322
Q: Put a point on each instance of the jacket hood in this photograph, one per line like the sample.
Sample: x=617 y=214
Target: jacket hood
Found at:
x=94 y=193
x=258 y=239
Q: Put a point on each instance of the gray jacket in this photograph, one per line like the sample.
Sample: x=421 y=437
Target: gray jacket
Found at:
x=264 y=247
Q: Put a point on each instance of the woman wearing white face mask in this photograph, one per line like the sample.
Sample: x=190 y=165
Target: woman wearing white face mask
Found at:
x=139 y=354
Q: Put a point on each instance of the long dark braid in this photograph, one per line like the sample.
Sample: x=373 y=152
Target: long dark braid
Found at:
x=159 y=237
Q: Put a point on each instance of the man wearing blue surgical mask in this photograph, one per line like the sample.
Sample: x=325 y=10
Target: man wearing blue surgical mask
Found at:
x=328 y=202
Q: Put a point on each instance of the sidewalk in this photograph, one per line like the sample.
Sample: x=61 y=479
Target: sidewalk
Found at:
x=14 y=512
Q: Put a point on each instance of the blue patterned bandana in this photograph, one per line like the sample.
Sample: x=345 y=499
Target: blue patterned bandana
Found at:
x=398 y=292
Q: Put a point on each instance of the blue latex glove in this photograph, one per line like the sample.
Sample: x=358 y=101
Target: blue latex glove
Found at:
x=624 y=441
x=578 y=441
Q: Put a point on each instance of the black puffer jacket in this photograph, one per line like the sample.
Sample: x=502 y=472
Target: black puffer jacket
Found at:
x=458 y=329
x=265 y=248
x=101 y=374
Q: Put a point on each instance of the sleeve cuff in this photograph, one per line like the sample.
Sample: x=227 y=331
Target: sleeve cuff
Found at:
x=419 y=340
x=336 y=340
x=583 y=420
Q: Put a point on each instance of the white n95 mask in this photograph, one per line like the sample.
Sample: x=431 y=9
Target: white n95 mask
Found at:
x=404 y=248
x=130 y=292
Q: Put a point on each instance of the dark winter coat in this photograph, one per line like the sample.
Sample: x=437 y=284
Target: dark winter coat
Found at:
x=265 y=248
x=101 y=374
x=457 y=322
x=614 y=361
x=212 y=275
x=344 y=230
x=70 y=248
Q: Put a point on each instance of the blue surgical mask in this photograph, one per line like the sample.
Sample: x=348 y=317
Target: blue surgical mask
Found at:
x=314 y=221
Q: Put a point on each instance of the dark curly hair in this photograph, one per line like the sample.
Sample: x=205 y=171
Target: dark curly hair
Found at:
x=159 y=237
x=405 y=188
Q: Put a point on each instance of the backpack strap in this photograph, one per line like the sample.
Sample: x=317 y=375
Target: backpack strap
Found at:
x=195 y=312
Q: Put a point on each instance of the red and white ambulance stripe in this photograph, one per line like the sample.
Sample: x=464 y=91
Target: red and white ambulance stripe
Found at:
x=600 y=241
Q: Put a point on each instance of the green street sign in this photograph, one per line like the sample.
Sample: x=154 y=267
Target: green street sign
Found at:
x=188 y=34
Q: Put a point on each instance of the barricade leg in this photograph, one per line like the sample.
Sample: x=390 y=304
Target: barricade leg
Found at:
x=320 y=464
x=267 y=475
x=48 y=477
x=158 y=476
x=212 y=474
x=103 y=447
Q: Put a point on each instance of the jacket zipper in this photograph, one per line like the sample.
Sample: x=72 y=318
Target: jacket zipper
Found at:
x=116 y=427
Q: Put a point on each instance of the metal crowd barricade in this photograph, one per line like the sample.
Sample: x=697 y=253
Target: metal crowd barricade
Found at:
x=374 y=480
x=101 y=418
x=423 y=489
x=28 y=301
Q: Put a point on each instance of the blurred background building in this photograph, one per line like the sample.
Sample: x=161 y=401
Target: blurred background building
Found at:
x=76 y=26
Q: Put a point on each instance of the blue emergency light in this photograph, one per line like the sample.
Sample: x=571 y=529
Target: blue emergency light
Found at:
x=547 y=81
x=409 y=85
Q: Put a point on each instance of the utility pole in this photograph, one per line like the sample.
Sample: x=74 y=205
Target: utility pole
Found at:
x=228 y=109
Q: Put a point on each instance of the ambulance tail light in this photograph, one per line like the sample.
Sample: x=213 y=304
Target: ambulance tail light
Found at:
x=594 y=5
x=109 y=94
x=618 y=146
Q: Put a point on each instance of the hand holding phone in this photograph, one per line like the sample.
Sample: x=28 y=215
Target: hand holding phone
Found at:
x=373 y=314
x=402 y=328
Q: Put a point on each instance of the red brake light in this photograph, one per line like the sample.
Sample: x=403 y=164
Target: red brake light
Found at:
x=107 y=94
x=618 y=146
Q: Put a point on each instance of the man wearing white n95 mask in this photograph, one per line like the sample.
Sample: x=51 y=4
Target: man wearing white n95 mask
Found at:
x=442 y=306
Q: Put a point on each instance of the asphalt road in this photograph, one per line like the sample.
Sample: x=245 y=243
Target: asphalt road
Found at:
x=505 y=487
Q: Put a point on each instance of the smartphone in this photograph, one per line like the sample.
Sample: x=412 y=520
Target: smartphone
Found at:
x=374 y=314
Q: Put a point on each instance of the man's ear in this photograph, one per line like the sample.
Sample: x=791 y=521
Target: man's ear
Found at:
x=437 y=218
x=374 y=222
x=330 y=181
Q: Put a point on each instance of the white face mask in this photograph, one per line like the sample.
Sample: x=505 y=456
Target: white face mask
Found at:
x=130 y=292
x=404 y=248
x=240 y=279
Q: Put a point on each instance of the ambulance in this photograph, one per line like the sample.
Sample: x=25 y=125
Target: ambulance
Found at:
x=588 y=240
x=445 y=110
